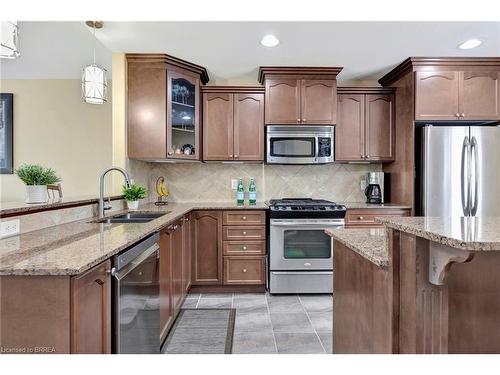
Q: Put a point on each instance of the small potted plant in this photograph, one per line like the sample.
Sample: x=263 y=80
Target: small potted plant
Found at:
x=133 y=194
x=36 y=178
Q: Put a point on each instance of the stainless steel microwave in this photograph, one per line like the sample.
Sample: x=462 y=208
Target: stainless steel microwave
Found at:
x=294 y=144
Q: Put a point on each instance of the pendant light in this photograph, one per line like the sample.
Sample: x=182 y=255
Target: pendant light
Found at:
x=9 y=33
x=94 y=83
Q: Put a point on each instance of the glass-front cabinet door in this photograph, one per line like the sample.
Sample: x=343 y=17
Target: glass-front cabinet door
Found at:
x=183 y=128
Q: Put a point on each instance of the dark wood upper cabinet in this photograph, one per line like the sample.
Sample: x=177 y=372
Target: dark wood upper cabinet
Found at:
x=457 y=95
x=207 y=248
x=91 y=311
x=350 y=128
x=183 y=112
x=365 y=126
x=249 y=127
x=163 y=104
x=300 y=95
x=318 y=101
x=282 y=101
x=233 y=123
x=379 y=130
x=479 y=95
x=217 y=126
x=437 y=96
x=147 y=117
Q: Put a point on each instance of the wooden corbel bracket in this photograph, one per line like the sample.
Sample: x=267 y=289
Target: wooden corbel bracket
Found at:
x=441 y=257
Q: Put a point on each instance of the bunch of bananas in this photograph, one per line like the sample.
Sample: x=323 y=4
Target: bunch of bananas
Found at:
x=161 y=190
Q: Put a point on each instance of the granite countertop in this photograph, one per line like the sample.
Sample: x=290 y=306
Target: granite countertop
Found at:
x=73 y=248
x=465 y=233
x=369 y=243
x=18 y=208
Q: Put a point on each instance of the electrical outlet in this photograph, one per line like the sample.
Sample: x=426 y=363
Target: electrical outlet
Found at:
x=9 y=228
x=234 y=183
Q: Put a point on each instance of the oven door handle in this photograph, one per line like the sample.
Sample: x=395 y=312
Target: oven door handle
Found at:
x=317 y=224
x=141 y=258
x=302 y=273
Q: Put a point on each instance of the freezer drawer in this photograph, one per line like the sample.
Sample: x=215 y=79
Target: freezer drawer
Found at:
x=301 y=282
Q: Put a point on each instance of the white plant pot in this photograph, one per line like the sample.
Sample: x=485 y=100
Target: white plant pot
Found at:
x=133 y=205
x=36 y=194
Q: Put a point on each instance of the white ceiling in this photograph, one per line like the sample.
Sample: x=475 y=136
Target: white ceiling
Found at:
x=54 y=50
x=232 y=53
x=231 y=50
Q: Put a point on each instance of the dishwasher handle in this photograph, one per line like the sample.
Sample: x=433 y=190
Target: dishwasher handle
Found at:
x=119 y=275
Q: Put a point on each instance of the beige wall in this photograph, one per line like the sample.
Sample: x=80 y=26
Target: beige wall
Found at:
x=53 y=127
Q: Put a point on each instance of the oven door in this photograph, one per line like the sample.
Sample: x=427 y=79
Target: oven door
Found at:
x=301 y=244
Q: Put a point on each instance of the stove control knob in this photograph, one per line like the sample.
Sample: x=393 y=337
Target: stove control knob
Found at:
x=307 y=264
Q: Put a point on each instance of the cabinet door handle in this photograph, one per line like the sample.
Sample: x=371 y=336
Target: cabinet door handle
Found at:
x=170 y=152
x=368 y=156
x=99 y=281
x=186 y=219
x=244 y=233
x=244 y=270
x=298 y=120
x=457 y=114
x=462 y=115
x=244 y=218
x=231 y=155
x=244 y=247
x=235 y=156
x=361 y=218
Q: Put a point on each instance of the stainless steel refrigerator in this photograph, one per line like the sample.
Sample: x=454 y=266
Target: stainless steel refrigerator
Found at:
x=460 y=170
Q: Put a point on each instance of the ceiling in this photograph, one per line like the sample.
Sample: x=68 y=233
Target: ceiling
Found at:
x=231 y=51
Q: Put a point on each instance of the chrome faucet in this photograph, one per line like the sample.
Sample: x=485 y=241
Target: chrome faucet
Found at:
x=103 y=207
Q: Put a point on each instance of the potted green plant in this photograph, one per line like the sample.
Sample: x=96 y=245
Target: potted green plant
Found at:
x=133 y=194
x=36 y=178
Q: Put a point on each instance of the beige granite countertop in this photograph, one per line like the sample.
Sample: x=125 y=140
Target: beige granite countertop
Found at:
x=369 y=243
x=466 y=233
x=18 y=208
x=73 y=248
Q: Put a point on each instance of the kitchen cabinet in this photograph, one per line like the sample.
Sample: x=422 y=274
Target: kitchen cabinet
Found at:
x=365 y=127
x=178 y=288
x=165 y=276
x=163 y=104
x=244 y=270
x=91 y=311
x=365 y=217
x=207 y=248
x=457 y=95
x=296 y=95
x=233 y=123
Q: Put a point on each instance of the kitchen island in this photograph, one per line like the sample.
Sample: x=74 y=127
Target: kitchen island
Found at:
x=440 y=286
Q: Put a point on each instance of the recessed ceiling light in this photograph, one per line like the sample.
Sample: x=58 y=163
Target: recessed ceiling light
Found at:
x=269 y=41
x=471 y=43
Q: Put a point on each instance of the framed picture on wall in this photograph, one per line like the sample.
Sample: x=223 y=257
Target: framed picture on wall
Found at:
x=6 y=133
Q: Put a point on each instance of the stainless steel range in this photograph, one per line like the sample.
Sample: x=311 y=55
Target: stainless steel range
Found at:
x=300 y=252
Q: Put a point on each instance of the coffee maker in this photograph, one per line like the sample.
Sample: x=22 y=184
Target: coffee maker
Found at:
x=375 y=190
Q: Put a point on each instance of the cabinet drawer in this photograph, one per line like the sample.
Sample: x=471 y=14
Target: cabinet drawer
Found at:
x=242 y=233
x=366 y=217
x=244 y=270
x=244 y=218
x=244 y=247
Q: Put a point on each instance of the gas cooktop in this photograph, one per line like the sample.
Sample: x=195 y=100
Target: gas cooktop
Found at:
x=288 y=207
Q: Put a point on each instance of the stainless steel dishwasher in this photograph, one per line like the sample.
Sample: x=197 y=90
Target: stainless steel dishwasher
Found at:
x=136 y=322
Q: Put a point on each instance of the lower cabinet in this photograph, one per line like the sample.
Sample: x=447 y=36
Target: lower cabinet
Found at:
x=165 y=275
x=365 y=217
x=178 y=291
x=186 y=252
x=91 y=311
x=207 y=248
x=244 y=270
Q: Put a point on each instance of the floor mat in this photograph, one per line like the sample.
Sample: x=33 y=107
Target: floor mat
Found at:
x=201 y=331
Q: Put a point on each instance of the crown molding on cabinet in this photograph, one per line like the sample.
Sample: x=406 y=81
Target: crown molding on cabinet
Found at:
x=413 y=64
x=318 y=72
x=365 y=90
x=160 y=58
x=233 y=89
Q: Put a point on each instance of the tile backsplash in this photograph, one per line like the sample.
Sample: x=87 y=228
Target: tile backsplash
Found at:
x=198 y=182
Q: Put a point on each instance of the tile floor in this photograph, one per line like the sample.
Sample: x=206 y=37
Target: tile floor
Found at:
x=270 y=324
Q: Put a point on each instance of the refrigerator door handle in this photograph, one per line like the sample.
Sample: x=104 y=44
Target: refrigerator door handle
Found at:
x=463 y=175
x=474 y=153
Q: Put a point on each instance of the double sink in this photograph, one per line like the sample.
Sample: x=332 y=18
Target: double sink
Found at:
x=133 y=217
